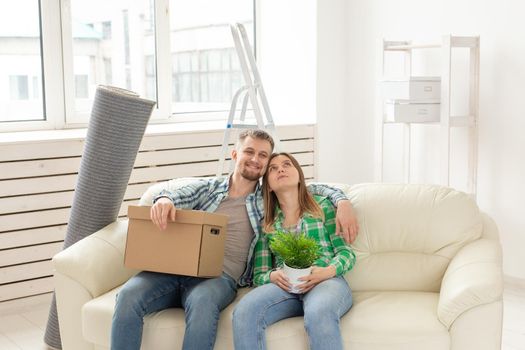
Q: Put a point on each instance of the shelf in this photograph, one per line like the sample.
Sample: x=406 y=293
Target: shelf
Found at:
x=443 y=121
x=455 y=41
x=419 y=123
x=456 y=121
x=464 y=41
x=411 y=46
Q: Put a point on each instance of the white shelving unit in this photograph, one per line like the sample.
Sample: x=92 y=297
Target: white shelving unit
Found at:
x=446 y=120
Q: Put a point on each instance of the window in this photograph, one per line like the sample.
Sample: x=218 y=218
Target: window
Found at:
x=106 y=30
x=54 y=54
x=108 y=71
x=110 y=46
x=19 y=87
x=20 y=62
x=151 y=80
x=36 y=87
x=205 y=76
x=81 y=86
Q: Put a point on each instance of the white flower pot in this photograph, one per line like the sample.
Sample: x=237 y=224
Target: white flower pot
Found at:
x=293 y=274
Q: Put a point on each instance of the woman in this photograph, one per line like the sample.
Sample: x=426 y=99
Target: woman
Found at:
x=324 y=296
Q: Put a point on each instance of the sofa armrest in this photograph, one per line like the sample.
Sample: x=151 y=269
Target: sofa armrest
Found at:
x=473 y=278
x=97 y=261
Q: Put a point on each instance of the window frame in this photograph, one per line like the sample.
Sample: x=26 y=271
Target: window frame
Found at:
x=52 y=74
x=57 y=46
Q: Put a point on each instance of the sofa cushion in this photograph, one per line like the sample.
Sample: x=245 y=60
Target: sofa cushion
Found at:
x=393 y=320
x=377 y=320
x=411 y=231
x=162 y=330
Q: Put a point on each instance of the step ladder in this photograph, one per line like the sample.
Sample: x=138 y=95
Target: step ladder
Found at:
x=251 y=91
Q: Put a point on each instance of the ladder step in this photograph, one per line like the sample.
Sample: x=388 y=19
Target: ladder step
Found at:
x=242 y=126
x=248 y=126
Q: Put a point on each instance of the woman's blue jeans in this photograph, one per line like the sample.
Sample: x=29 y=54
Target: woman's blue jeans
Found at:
x=322 y=308
x=202 y=300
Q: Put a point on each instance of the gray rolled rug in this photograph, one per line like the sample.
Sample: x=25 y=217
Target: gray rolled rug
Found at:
x=117 y=125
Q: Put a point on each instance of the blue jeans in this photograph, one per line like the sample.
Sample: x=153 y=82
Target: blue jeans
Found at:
x=322 y=308
x=147 y=292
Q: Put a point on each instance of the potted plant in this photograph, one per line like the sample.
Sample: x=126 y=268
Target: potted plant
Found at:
x=298 y=252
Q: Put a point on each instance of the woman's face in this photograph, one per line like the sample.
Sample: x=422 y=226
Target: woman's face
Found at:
x=282 y=174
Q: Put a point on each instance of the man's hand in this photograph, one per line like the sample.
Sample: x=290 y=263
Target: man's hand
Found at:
x=346 y=224
x=278 y=278
x=161 y=211
x=316 y=276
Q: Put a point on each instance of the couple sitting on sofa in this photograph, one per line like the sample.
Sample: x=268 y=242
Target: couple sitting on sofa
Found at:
x=324 y=294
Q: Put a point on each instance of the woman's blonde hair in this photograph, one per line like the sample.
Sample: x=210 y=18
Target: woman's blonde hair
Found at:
x=307 y=203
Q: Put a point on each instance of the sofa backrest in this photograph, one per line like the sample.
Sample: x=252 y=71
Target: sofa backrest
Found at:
x=408 y=234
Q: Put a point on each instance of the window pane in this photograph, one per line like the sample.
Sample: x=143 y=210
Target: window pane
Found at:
x=81 y=86
x=205 y=74
x=36 y=87
x=20 y=62
x=19 y=87
x=184 y=62
x=113 y=44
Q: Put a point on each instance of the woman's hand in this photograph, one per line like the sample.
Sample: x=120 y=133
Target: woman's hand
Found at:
x=316 y=276
x=278 y=278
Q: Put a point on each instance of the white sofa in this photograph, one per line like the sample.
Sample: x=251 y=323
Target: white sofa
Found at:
x=428 y=276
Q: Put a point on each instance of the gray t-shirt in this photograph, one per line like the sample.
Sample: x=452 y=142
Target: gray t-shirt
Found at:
x=239 y=236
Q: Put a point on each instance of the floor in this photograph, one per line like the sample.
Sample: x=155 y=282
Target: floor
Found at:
x=22 y=326
x=514 y=315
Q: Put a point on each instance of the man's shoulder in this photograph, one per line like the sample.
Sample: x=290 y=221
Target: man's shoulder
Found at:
x=210 y=182
x=196 y=186
x=217 y=183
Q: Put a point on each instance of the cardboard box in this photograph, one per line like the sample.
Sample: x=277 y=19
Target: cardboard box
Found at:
x=193 y=245
x=422 y=89
x=402 y=111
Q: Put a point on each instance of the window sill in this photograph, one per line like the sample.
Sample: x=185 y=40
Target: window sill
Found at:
x=80 y=134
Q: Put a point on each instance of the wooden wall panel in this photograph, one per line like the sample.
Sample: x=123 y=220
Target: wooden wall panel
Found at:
x=37 y=180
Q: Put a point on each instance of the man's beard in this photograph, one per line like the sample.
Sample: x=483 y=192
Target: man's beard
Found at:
x=250 y=175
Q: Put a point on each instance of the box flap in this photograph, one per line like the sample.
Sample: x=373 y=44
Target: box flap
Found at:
x=182 y=216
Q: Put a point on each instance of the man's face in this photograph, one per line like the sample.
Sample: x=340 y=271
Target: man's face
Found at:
x=251 y=158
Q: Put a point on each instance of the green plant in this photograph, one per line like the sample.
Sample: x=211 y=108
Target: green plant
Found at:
x=295 y=250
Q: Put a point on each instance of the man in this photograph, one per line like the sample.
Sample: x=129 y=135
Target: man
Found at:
x=202 y=299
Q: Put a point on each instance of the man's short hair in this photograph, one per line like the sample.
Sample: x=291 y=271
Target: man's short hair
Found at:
x=255 y=134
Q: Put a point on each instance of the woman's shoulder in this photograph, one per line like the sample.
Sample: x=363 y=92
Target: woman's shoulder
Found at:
x=322 y=201
x=326 y=205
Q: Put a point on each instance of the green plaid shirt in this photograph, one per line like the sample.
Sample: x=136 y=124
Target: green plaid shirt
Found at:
x=334 y=250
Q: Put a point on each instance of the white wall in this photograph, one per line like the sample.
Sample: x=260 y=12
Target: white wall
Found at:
x=287 y=60
x=345 y=139
x=349 y=66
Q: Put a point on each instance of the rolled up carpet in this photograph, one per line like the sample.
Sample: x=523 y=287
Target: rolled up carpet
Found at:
x=115 y=130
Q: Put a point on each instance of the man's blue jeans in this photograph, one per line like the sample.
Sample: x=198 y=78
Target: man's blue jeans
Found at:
x=202 y=299
x=322 y=308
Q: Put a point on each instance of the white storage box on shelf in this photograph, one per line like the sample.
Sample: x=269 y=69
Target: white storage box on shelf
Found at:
x=412 y=88
x=405 y=111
